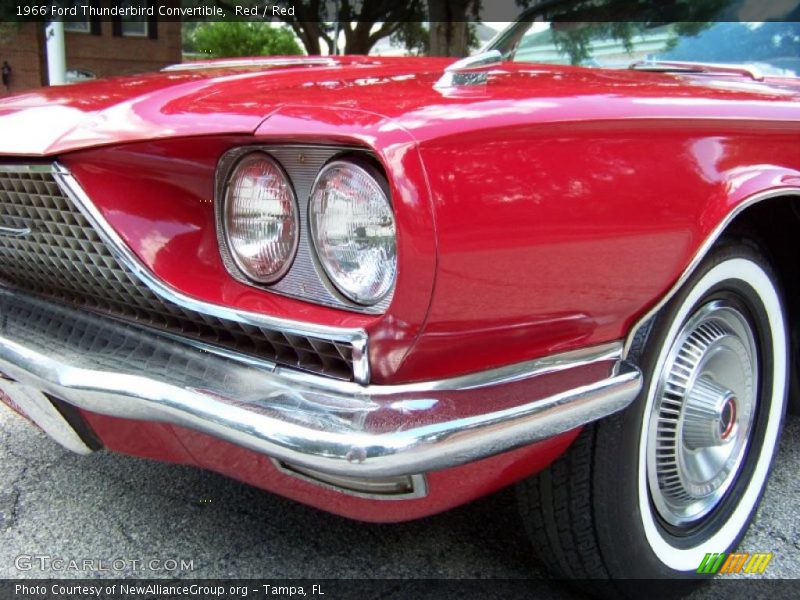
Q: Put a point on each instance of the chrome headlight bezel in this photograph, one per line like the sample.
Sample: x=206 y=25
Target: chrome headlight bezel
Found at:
x=232 y=255
x=372 y=174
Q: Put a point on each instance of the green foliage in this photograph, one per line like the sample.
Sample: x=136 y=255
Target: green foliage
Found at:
x=643 y=11
x=473 y=43
x=219 y=39
x=187 y=36
x=414 y=35
x=362 y=22
x=7 y=30
x=576 y=41
x=579 y=22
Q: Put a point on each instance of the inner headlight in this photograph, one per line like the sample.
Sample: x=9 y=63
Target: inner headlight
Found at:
x=352 y=226
x=260 y=220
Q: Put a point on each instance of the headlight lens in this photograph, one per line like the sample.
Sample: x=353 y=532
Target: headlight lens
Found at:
x=260 y=218
x=353 y=229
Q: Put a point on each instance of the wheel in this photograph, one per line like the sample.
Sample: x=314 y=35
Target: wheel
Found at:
x=648 y=492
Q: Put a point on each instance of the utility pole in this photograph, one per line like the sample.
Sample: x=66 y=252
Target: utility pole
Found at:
x=56 y=53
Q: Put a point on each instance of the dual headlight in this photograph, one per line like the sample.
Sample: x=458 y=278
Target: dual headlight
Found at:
x=350 y=222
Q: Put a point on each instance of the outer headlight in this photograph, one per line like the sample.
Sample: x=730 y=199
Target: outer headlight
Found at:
x=259 y=218
x=352 y=226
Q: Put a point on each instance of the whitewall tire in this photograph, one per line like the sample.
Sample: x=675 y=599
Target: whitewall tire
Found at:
x=648 y=492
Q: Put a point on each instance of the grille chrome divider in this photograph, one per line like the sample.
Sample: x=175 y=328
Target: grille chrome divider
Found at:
x=356 y=339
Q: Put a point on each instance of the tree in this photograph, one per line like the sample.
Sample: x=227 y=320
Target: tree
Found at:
x=577 y=23
x=419 y=37
x=362 y=22
x=450 y=32
x=243 y=38
x=415 y=36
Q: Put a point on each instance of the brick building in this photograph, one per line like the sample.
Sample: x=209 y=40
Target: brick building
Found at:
x=102 y=47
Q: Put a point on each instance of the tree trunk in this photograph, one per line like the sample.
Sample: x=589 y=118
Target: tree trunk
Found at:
x=357 y=39
x=449 y=30
x=448 y=38
x=309 y=34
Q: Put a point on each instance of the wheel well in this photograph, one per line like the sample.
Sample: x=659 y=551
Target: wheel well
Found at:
x=775 y=225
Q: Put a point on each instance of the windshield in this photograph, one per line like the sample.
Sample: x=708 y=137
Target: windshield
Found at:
x=772 y=47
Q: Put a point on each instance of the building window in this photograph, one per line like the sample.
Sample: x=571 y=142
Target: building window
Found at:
x=77 y=25
x=134 y=26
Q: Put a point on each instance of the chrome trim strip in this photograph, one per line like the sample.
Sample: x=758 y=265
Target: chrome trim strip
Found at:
x=254 y=63
x=609 y=352
x=705 y=247
x=15 y=231
x=689 y=67
x=339 y=428
x=72 y=188
x=360 y=352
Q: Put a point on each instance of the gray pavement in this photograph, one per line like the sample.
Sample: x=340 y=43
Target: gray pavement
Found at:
x=105 y=506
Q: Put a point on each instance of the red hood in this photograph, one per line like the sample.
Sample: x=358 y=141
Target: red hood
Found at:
x=237 y=100
x=177 y=103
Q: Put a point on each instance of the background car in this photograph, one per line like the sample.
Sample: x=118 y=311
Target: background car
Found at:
x=77 y=75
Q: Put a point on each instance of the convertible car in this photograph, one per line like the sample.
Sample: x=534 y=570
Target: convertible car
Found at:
x=387 y=286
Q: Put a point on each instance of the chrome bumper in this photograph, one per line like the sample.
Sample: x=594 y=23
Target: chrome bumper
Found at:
x=308 y=421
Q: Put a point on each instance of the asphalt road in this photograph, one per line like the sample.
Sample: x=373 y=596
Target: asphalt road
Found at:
x=107 y=506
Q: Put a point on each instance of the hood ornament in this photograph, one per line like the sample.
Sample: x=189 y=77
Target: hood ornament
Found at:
x=469 y=71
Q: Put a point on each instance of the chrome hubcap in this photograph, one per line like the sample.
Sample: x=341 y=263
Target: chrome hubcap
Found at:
x=702 y=415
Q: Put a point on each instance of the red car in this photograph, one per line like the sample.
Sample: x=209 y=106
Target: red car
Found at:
x=387 y=286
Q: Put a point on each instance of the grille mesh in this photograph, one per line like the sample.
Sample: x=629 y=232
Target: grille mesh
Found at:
x=64 y=258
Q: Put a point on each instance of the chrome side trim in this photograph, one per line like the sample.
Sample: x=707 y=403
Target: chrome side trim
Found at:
x=72 y=188
x=609 y=352
x=677 y=66
x=254 y=63
x=704 y=249
x=337 y=428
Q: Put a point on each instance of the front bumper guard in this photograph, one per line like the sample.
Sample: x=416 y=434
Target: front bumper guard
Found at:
x=339 y=428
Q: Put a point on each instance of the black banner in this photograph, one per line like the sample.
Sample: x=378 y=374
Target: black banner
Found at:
x=355 y=11
x=345 y=589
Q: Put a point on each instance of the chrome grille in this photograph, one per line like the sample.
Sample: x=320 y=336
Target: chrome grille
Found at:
x=64 y=258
